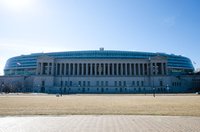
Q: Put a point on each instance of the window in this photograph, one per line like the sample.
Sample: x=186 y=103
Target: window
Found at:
x=79 y=83
x=161 y=83
x=102 y=83
x=120 y=83
x=64 y=90
x=97 y=83
x=61 y=83
x=142 y=83
x=133 y=83
x=124 y=83
x=88 y=83
x=106 y=83
x=66 y=84
x=115 y=83
x=138 y=83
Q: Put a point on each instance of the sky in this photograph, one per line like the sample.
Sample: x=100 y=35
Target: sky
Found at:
x=166 y=26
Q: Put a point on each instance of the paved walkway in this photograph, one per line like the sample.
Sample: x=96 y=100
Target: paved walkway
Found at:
x=100 y=123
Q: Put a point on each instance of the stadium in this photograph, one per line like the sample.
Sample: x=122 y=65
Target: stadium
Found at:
x=99 y=71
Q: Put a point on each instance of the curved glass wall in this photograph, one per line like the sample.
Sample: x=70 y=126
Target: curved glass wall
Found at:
x=26 y=64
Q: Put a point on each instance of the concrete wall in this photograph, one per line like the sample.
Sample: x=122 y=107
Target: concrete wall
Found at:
x=52 y=84
x=108 y=84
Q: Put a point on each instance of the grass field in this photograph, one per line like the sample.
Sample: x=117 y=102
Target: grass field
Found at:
x=181 y=105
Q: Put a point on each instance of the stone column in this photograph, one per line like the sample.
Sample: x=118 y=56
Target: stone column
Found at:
x=151 y=68
x=134 y=69
x=156 y=69
x=143 y=68
x=130 y=69
x=48 y=71
x=100 y=69
x=82 y=69
x=113 y=69
x=91 y=69
x=77 y=69
x=42 y=68
x=86 y=69
x=162 y=68
x=56 y=69
x=121 y=70
x=95 y=68
x=73 y=73
x=38 y=68
x=110 y=70
x=69 y=69
x=48 y=68
x=64 y=69
x=139 y=72
x=147 y=68
x=117 y=69
x=60 y=68
x=109 y=64
x=126 y=70
x=52 y=68
x=104 y=69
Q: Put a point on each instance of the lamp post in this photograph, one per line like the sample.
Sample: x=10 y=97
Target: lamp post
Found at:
x=38 y=88
x=155 y=68
x=61 y=84
x=167 y=87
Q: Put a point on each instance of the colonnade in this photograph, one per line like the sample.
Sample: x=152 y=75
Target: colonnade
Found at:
x=101 y=69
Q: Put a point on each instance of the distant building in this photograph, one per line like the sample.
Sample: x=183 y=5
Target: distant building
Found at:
x=101 y=71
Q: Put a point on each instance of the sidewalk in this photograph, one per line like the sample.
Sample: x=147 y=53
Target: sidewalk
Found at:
x=100 y=123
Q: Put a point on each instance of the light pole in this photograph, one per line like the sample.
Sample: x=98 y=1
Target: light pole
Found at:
x=167 y=87
x=61 y=84
x=38 y=88
x=154 y=92
x=154 y=72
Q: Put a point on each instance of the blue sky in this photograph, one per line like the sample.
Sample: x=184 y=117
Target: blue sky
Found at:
x=169 y=26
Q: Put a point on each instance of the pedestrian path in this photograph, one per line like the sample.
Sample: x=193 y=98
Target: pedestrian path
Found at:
x=100 y=123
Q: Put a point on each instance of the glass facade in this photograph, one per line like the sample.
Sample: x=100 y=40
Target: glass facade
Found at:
x=26 y=64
